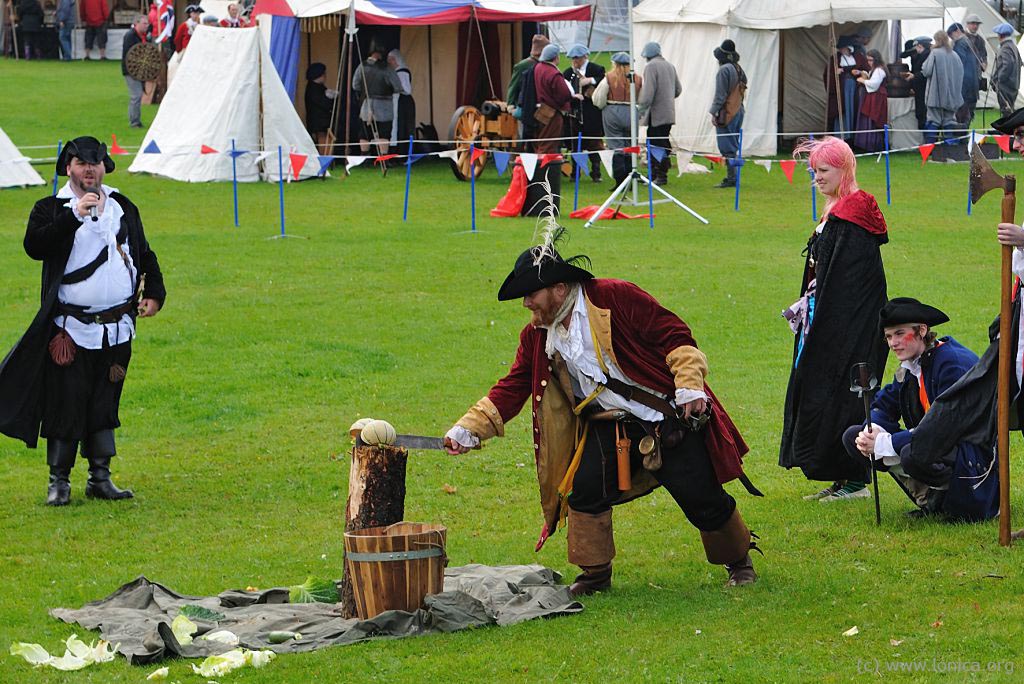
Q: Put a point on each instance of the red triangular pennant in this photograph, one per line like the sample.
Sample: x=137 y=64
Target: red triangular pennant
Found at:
x=383 y=158
x=1004 y=143
x=714 y=158
x=631 y=150
x=926 y=151
x=477 y=153
x=787 y=166
x=206 y=149
x=114 y=147
x=297 y=161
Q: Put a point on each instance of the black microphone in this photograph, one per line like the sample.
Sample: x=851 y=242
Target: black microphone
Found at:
x=94 y=209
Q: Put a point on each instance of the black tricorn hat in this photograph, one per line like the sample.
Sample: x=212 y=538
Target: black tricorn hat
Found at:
x=1009 y=123
x=902 y=310
x=88 y=149
x=537 y=268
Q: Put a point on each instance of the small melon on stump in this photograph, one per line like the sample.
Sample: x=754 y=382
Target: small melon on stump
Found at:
x=376 y=490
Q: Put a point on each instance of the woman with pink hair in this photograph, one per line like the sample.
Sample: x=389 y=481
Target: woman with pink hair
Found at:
x=835 y=323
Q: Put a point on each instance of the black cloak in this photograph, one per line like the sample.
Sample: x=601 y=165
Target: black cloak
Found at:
x=846 y=260
x=49 y=238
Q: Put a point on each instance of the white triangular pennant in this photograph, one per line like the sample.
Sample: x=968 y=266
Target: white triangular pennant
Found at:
x=765 y=164
x=352 y=162
x=529 y=164
x=606 y=160
x=263 y=155
x=448 y=154
x=682 y=162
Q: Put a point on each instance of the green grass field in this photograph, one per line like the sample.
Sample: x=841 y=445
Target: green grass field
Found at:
x=242 y=389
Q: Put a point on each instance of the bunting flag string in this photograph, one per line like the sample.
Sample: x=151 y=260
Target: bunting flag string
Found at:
x=325 y=161
x=297 y=161
x=658 y=152
x=529 y=161
x=1004 y=143
x=501 y=161
x=352 y=162
x=787 y=166
x=206 y=149
x=151 y=148
x=582 y=160
x=766 y=164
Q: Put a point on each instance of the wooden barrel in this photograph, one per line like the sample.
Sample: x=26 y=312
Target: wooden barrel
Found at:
x=394 y=567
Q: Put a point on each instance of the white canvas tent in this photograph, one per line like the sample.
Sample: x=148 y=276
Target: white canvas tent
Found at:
x=225 y=89
x=15 y=171
x=783 y=48
x=989 y=18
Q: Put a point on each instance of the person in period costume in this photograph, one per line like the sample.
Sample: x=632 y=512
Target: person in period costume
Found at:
x=319 y=101
x=835 y=322
x=235 y=18
x=841 y=66
x=612 y=97
x=375 y=83
x=139 y=33
x=964 y=49
x=874 y=105
x=521 y=95
x=64 y=377
x=596 y=358
x=919 y=53
x=957 y=481
x=972 y=22
x=65 y=18
x=402 y=103
x=1006 y=70
x=553 y=99
x=183 y=34
x=584 y=76
x=944 y=92
x=658 y=107
x=727 y=107
x=30 y=28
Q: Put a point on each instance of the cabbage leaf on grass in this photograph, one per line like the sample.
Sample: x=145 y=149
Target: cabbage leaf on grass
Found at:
x=314 y=590
x=76 y=654
x=183 y=629
x=196 y=612
x=219 y=665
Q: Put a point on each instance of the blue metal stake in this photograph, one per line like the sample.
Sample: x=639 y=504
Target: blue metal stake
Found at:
x=650 y=182
x=576 y=189
x=888 y=176
x=739 y=167
x=234 y=178
x=472 y=188
x=971 y=149
x=60 y=146
x=280 y=185
x=408 y=174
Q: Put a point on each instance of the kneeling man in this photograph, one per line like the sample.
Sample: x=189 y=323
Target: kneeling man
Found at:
x=960 y=483
x=620 y=406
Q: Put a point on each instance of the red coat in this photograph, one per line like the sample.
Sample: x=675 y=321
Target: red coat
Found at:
x=181 y=37
x=551 y=86
x=94 y=12
x=242 y=22
x=643 y=335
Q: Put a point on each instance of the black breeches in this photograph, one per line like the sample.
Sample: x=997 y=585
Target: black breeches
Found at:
x=80 y=399
x=686 y=473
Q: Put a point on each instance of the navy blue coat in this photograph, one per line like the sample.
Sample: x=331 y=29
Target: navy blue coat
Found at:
x=959 y=467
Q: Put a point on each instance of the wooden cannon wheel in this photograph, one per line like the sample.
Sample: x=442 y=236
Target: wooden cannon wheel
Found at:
x=467 y=128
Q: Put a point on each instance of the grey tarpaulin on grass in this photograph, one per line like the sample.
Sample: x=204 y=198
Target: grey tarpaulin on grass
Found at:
x=138 y=615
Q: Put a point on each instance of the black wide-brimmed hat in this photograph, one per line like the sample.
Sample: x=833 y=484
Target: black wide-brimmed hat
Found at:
x=903 y=310
x=537 y=268
x=1009 y=123
x=88 y=149
x=726 y=52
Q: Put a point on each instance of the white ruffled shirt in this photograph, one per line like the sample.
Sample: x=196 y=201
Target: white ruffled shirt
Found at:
x=111 y=285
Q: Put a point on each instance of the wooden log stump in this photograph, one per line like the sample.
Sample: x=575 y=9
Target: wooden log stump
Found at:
x=376 y=497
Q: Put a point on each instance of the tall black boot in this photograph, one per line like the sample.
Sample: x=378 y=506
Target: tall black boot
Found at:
x=730 y=175
x=662 y=169
x=60 y=456
x=99 y=448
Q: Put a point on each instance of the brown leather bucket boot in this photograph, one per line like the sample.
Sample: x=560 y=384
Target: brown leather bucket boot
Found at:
x=730 y=546
x=592 y=548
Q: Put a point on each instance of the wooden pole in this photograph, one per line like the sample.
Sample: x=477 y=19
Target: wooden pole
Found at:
x=376 y=497
x=1005 y=354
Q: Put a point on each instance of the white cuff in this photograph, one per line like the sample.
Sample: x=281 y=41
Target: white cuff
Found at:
x=72 y=204
x=685 y=396
x=463 y=437
x=883 y=448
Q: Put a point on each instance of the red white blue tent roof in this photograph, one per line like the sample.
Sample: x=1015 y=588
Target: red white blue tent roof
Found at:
x=423 y=12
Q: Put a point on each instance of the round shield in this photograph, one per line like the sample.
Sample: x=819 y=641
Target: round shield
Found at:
x=144 y=61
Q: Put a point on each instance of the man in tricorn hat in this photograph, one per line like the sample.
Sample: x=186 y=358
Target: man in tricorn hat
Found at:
x=63 y=379
x=727 y=107
x=958 y=482
x=619 y=403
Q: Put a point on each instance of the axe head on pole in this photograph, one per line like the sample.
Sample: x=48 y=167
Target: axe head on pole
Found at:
x=983 y=177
